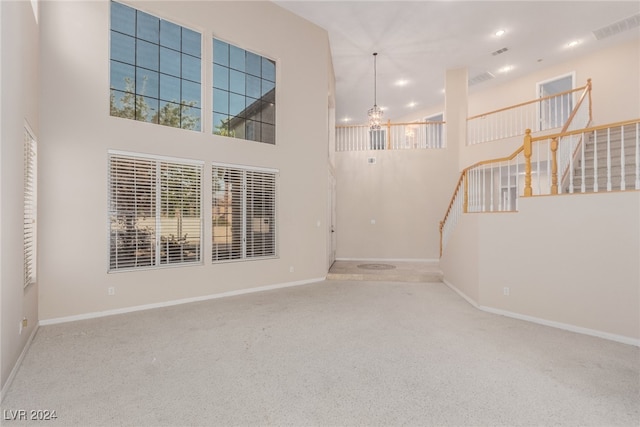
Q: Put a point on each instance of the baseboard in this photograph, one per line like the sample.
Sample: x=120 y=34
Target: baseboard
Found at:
x=390 y=259
x=462 y=294
x=559 y=325
x=105 y=313
x=18 y=363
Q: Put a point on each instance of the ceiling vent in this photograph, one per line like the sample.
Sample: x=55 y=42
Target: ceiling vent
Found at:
x=618 y=27
x=499 y=51
x=482 y=77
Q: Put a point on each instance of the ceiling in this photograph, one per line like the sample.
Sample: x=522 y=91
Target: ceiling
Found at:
x=417 y=41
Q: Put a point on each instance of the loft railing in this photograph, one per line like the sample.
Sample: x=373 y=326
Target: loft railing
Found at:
x=605 y=158
x=391 y=136
x=540 y=114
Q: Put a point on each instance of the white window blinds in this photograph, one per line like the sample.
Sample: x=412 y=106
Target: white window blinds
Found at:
x=155 y=211
x=30 y=202
x=243 y=213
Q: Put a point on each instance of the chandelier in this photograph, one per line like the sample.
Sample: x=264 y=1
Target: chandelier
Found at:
x=375 y=113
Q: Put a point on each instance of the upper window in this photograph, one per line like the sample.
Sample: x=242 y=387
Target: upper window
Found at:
x=155 y=69
x=244 y=94
x=155 y=211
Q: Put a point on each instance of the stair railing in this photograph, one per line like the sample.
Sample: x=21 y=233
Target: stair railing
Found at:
x=496 y=185
x=606 y=158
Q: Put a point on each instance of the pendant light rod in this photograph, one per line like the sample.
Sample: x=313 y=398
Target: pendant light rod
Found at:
x=375 y=78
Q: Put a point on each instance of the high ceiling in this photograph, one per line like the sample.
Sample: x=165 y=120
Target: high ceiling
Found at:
x=417 y=41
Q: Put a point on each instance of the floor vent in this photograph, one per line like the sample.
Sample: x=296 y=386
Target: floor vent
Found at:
x=618 y=27
x=371 y=160
x=482 y=77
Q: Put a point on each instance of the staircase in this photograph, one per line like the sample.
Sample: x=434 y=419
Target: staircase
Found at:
x=604 y=152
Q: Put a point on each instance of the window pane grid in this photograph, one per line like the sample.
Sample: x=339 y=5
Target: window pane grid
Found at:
x=243 y=94
x=144 y=51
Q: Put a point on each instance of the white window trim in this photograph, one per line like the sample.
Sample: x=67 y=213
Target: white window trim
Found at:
x=244 y=169
x=30 y=208
x=157 y=158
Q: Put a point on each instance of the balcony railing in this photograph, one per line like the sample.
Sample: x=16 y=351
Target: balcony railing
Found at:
x=391 y=136
x=549 y=112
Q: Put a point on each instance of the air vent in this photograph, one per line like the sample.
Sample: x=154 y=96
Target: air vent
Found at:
x=371 y=160
x=482 y=77
x=618 y=27
x=499 y=51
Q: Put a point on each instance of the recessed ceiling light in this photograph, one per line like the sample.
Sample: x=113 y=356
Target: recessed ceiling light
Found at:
x=573 y=43
x=505 y=69
x=500 y=33
x=402 y=82
x=412 y=104
x=347 y=119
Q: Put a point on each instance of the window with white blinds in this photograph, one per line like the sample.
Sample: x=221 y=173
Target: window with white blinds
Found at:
x=155 y=211
x=30 y=210
x=243 y=213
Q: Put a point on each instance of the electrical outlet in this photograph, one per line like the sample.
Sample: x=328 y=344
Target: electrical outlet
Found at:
x=25 y=322
x=505 y=291
x=291 y=269
x=111 y=290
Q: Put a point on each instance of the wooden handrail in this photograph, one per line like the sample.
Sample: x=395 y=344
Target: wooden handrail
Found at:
x=544 y=98
x=585 y=130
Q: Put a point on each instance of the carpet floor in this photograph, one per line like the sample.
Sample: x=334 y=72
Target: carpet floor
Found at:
x=327 y=354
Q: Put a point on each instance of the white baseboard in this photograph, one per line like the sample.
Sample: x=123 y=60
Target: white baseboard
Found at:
x=559 y=325
x=97 y=314
x=390 y=259
x=17 y=365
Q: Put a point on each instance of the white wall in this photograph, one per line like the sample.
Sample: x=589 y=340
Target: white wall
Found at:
x=77 y=131
x=411 y=203
x=19 y=102
x=570 y=259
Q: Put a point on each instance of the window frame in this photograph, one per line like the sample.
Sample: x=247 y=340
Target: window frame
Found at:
x=162 y=102
x=244 y=114
x=156 y=236
x=30 y=207
x=247 y=226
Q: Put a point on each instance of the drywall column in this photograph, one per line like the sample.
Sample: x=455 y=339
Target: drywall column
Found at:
x=456 y=101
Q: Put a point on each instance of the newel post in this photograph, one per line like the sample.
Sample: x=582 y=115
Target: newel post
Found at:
x=465 y=202
x=528 y=149
x=554 y=166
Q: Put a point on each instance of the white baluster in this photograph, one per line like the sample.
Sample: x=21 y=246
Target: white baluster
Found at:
x=571 y=168
x=595 y=162
x=608 y=159
x=582 y=162
x=637 y=156
x=623 y=184
x=493 y=184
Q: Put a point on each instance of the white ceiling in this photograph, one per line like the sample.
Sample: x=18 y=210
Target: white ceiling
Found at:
x=419 y=40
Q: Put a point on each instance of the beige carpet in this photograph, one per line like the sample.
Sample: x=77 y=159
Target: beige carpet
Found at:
x=329 y=354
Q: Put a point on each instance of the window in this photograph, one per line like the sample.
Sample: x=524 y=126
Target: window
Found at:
x=155 y=69
x=155 y=211
x=30 y=207
x=435 y=131
x=243 y=213
x=556 y=108
x=244 y=94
